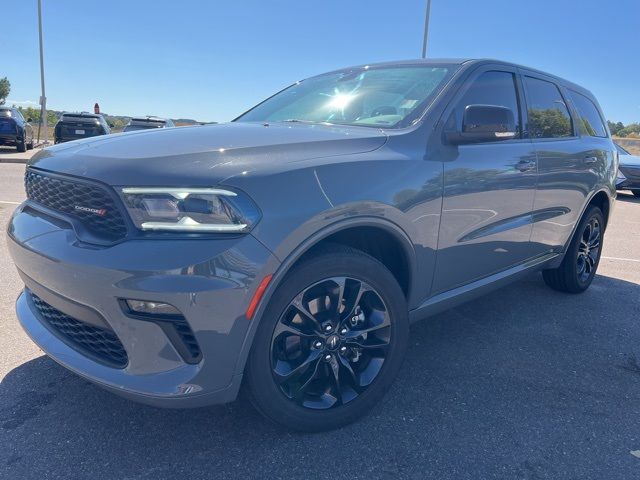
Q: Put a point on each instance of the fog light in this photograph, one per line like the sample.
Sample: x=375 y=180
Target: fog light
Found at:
x=152 y=308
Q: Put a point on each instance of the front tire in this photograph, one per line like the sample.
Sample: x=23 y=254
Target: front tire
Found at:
x=330 y=343
x=576 y=272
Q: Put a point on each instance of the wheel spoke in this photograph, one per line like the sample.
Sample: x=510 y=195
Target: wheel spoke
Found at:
x=298 y=305
x=296 y=372
x=336 y=300
x=347 y=366
x=303 y=388
x=384 y=322
x=368 y=344
x=335 y=370
x=354 y=296
x=291 y=329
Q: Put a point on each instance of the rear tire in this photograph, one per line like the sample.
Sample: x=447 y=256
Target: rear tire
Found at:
x=308 y=380
x=576 y=272
x=21 y=146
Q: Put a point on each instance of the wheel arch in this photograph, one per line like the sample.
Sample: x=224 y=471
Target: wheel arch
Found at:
x=345 y=233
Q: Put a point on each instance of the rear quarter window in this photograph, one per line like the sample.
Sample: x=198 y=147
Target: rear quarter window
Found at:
x=590 y=121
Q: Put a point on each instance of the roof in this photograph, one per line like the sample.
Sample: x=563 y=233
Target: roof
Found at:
x=468 y=63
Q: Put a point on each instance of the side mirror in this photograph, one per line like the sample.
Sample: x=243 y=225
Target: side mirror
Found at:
x=111 y=125
x=29 y=120
x=485 y=123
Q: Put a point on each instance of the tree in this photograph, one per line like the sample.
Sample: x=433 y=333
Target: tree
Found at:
x=633 y=129
x=615 y=127
x=5 y=88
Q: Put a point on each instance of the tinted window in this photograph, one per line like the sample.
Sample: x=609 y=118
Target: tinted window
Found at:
x=548 y=114
x=590 y=120
x=491 y=88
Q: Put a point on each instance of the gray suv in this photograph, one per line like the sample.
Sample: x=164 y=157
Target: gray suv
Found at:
x=289 y=250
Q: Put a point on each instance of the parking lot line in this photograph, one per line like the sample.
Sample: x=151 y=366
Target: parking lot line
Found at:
x=621 y=259
x=10 y=203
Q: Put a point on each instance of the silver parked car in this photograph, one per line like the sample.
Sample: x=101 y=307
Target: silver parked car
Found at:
x=290 y=249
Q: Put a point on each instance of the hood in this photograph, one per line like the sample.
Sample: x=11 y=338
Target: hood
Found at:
x=629 y=161
x=202 y=155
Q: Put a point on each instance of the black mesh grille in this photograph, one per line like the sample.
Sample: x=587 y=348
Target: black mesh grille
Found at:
x=101 y=344
x=90 y=204
x=189 y=340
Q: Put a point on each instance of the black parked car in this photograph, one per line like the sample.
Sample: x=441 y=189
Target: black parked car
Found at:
x=74 y=126
x=147 y=123
x=15 y=130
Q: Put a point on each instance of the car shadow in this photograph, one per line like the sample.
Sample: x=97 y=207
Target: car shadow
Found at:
x=523 y=383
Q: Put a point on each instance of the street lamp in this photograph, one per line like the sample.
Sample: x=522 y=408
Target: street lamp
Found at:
x=426 y=29
x=43 y=97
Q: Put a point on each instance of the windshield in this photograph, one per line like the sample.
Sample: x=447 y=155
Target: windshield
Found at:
x=380 y=97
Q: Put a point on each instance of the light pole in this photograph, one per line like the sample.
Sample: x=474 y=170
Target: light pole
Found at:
x=43 y=97
x=426 y=29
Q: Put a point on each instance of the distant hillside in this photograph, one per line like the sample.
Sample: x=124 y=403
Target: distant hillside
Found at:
x=118 y=121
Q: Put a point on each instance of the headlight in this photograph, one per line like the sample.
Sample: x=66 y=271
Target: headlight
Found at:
x=196 y=210
x=620 y=176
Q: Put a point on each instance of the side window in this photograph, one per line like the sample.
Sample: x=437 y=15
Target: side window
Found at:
x=491 y=88
x=590 y=120
x=19 y=114
x=548 y=114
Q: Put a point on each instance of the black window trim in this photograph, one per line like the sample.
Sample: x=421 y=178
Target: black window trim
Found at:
x=569 y=106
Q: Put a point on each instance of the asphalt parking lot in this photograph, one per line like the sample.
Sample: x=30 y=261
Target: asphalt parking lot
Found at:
x=525 y=383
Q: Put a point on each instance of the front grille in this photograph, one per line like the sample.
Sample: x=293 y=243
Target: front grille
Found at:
x=99 y=343
x=90 y=204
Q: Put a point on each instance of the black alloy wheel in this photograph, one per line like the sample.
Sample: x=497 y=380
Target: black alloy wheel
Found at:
x=580 y=262
x=589 y=249
x=330 y=341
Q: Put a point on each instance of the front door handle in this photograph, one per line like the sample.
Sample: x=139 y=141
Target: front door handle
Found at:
x=590 y=159
x=526 y=165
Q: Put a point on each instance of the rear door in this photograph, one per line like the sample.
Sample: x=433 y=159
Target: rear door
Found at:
x=489 y=188
x=568 y=161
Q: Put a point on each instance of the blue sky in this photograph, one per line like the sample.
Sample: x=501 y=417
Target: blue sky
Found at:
x=212 y=59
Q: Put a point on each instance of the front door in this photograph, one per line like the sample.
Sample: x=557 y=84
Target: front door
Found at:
x=489 y=189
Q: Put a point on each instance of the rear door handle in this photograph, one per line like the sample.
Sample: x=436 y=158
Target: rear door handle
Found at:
x=589 y=159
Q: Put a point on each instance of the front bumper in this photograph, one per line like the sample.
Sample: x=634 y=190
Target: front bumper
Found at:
x=211 y=282
x=631 y=180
